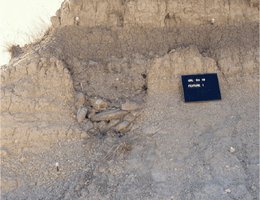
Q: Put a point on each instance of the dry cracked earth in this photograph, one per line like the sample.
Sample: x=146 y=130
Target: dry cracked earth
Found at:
x=95 y=109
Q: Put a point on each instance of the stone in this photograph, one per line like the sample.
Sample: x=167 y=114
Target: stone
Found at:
x=87 y=125
x=232 y=150
x=122 y=127
x=131 y=106
x=80 y=100
x=113 y=123
x=109 y=115
x=228 y=190
x=91 y=113
x=101 y=126
x=81 y=114
x=130 y=117
x=84 y=135
x=99 y=104
x=212 y=21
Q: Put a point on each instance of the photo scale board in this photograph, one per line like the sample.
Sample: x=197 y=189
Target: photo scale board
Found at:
x=201 y=87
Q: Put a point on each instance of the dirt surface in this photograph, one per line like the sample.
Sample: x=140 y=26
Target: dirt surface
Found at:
x=95 y=109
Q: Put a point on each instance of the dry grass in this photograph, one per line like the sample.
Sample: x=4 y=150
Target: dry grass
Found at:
x=29 y=37
x=14 y=50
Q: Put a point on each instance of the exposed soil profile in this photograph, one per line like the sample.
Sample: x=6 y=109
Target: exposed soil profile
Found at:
x=95 y=109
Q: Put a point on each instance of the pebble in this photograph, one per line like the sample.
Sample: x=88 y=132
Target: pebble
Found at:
x=212 y=21
x=57 y=166
x=232 y=149
x=109 y=115
x=81 y=114
x=228 y=190
x=122 y=127
x=131 y=106
x=99 y=104
x=84 y=136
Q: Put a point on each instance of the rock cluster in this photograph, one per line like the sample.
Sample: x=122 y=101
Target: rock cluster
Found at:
x=96 y=115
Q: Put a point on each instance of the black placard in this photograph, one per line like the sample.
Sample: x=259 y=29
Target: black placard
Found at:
x=201 y=87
